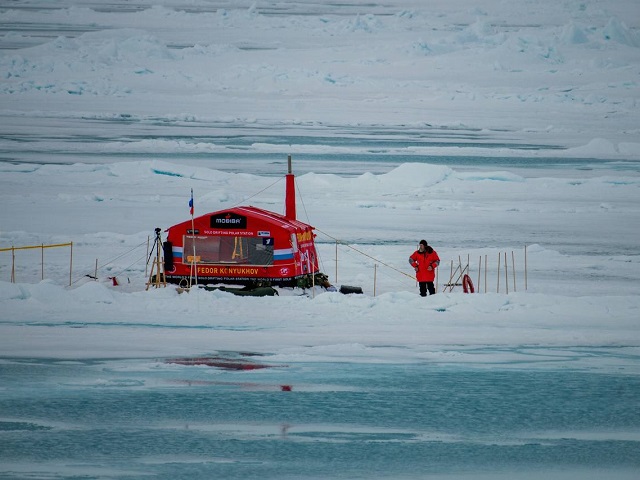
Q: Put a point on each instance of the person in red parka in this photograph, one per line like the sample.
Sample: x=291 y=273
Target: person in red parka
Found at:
x=424 y=261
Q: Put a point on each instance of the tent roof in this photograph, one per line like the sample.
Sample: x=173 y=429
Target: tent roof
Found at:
x=258 y=214
x=271 y=217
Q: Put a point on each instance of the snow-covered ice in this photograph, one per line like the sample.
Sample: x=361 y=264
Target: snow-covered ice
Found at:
x=484 y=127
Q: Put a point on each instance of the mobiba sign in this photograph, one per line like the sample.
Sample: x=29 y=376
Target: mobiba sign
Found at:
x=228 y=220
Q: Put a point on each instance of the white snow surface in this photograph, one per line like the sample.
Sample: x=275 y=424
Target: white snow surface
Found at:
x=581 y=282
x=484 y=78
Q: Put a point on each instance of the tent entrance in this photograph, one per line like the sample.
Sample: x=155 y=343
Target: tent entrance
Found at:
x=228 y=250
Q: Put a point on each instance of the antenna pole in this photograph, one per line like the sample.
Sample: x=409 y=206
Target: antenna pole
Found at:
x=290 y=193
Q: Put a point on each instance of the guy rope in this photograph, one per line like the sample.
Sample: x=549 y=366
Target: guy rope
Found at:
x=366 y=255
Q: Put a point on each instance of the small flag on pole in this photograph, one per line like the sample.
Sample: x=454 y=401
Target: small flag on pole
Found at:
x=191 y=203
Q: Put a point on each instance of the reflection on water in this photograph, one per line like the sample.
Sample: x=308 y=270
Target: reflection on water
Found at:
x=338 y=420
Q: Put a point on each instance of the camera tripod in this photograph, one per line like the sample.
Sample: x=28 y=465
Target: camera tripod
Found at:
x=159 y=277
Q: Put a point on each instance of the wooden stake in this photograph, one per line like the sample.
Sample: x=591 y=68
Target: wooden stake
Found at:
x=499 y=255
x=525 y=266
x=146 y=267
x=313 y=277
x=13 y=264
x=506 y=274
x=375 y=273
x=451 y=283
x=513 y=268
x=459 y=271
x=436 y=284
x=485 y=274
x=479 y=270
x=336 y=280
x=70 y=262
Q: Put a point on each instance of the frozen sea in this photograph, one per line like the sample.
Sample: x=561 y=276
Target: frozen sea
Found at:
x=487 y=127
x=144 y=418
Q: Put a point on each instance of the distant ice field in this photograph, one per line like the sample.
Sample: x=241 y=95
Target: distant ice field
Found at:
x=392 y=79
x=262 y=149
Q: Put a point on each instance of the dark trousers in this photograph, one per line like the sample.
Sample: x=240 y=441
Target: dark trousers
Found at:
x=424 y=286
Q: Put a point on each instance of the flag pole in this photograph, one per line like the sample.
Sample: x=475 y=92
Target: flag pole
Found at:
x=193 y=272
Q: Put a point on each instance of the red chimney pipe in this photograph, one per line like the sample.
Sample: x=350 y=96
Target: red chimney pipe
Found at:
x=290 y=193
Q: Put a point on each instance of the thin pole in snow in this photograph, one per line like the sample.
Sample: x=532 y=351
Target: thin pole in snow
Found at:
x=451 y=276
x=336 y=261
x=513 y=268
x=313 y=277
x=70 y=262
x=506 y=274
x=499 y=255
x=375 y=273
x=146 y=267
x=448 y=284
x=525 y=266
x=485 y=273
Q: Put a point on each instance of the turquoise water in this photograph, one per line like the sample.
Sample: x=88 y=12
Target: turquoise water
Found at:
x=137 y=418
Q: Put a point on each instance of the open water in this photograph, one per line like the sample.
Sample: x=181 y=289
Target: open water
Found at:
x=146 y=418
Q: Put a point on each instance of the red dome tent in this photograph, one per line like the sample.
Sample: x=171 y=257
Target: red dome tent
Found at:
x=243 y=245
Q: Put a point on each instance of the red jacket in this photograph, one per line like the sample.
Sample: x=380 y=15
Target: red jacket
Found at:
x=426 y=263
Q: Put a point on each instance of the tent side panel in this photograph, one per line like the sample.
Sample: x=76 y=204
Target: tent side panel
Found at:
x=242 y=246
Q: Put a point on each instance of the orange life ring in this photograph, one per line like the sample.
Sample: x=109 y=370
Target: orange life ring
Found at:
x=467 y=284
